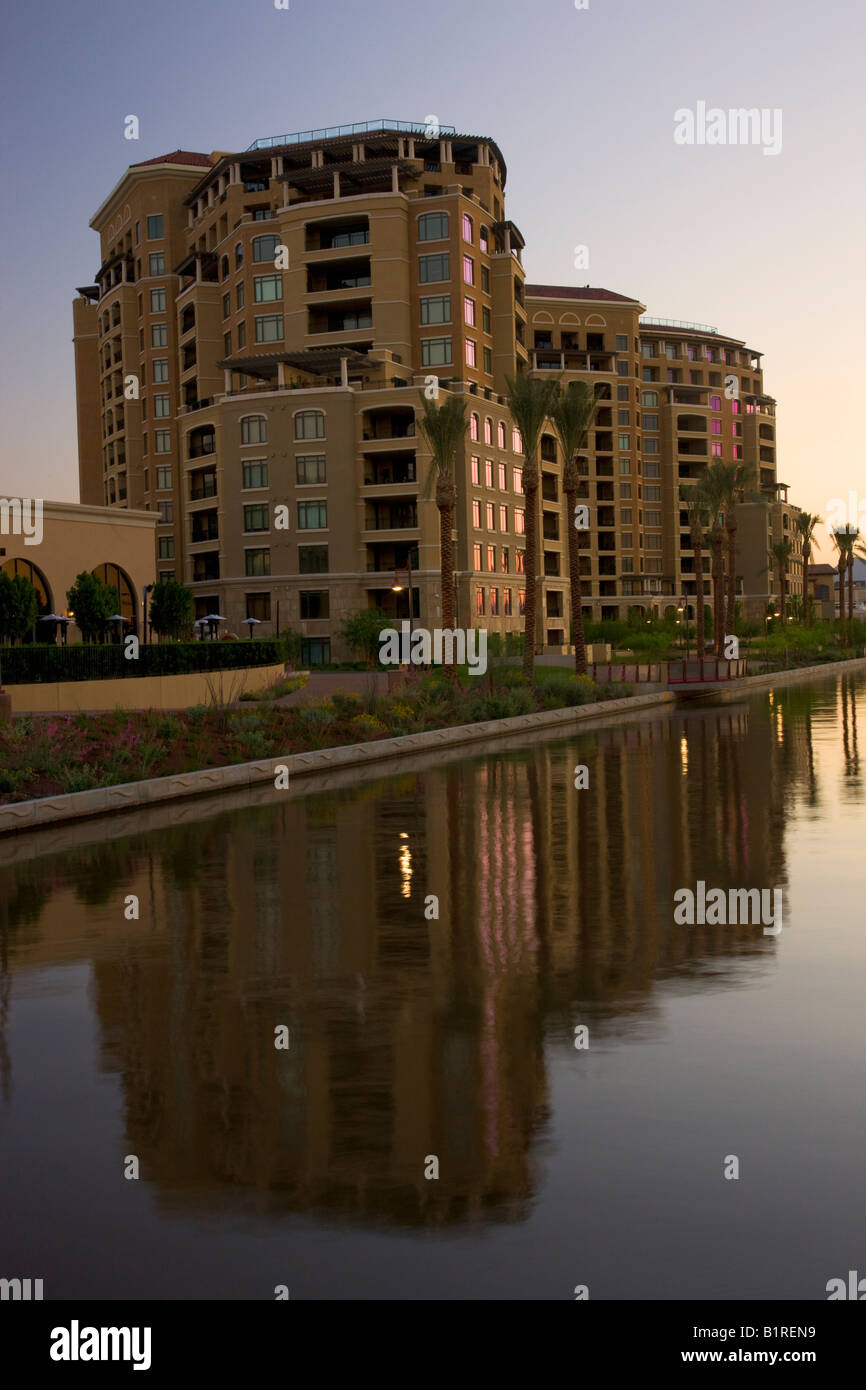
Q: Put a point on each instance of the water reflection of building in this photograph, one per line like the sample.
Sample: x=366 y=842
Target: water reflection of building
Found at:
x=412 y=1036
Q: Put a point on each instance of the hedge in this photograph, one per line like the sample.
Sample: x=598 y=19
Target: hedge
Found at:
x=84 y=662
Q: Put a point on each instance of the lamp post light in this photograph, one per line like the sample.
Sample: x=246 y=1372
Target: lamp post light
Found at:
x=251 y=623
x=144 y=593
x=397 y=588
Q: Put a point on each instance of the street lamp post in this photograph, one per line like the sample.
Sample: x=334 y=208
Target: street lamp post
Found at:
x=397 y=588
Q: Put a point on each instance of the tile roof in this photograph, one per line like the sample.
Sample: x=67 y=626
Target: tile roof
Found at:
x=575 y=292
x=177 y=157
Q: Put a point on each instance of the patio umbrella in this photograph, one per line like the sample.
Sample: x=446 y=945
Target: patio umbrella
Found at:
x=251 y=622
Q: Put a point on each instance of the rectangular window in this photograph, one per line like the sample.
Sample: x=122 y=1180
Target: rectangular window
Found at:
x=265 y=248
x=516 y=480
x=650 y=422
x=468 y=270
x=469 y=311
x=624 y=490
x=159 y=335
x=257 y=562
x=651 y=468
x=137 y=233
x=501 y=473
x=156 y=263
x=623 y=417
x=485 y=279
x=621 y=367
x=166 y=547
x=435 y=352
x=652 y=517
x=312 y=516
x=715 y=402
x=166 y=513
x=434 y=268
x=436 y=309
x=476 y=470
x=161 y=407
x=488 y=472
x=519 y=521
x=480 y=606
x=470 y=352
x=622 y=342
x=257 y=517
x=649 y=398
x=254 y=430
x=627 y=540
x=310 y=424
x=485 y=319
x=491 y=558
x=160 y=370
x=622 y=393
x=162 y=441
x=310 y=468
x=157 y=301
x=494 y=603
x=506 y=602
x=255 y=473
x=240 y=295
x=521 y=601
x=269 y=328
x=154 y=227
x=487 y=356
x=315 y=603
x=627 y=565
x=313 y=559
x=625 y=516
x=242 y=339
x=227 y=343
x=476 y=558
x=716 y=450
x=227 y=305
x=516 y=441
x=476 y=513
x=503 y=559
x=267 y=288
x=503 y=518
x=651 y=446
x=625 y=465
x=624 y=441
x=652 y=493
x=653 y=542
x=488 y=515
x=163 y=478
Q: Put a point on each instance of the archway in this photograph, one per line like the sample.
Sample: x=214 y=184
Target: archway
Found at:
x=37 y=579
x=118 y=579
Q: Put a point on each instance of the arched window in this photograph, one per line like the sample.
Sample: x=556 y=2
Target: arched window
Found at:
x=29 y=571
x=239 y=255
x=118 y=579
x=433 y=226
x=265 y=248
x=310 y=424
x=254 y=429
x=473 y=426
x=488 y=430
x=224 y=268
x=501 y=434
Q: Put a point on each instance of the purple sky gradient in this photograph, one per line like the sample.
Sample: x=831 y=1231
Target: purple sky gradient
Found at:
x=582 y=105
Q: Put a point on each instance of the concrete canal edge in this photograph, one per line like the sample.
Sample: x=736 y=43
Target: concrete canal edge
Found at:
x=149 y=793
x=50 y=810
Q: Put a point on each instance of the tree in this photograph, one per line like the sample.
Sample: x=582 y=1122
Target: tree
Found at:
x=780 y=553
x=743 y=491
x=716 y=489
x=573 y=413
x=92 y=602
x=443 y=427
x=172 y=609
x=531 y=401
x=19 y=607
x=844 y=538
x=697 y=513
x=806 y=523
x=361 y=630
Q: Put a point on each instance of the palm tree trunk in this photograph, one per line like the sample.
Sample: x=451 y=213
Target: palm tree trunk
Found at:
x=446 y=577
x=530 y=488
x=699 y=607
x=841 y=600
x=807 y=601
x=731 y=527
x=574 y=577
x=851 y=592
x=718 y=589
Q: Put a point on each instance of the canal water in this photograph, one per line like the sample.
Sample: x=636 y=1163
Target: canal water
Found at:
x=427 y=946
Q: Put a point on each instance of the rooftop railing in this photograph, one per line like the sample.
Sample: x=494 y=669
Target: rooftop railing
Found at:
x=677 y=323
x=301 y=137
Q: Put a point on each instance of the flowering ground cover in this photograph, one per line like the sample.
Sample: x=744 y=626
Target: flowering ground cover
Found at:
x=44 y=755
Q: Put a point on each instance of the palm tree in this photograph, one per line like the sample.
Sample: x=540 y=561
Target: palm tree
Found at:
x=742 y=491
x=531 y=401
x=573 y=413
x=844 y=538
x=806 y=522
x=443 y=427
x=780 y=553
x=697 y=512
x=716 y=488
x=855 y=536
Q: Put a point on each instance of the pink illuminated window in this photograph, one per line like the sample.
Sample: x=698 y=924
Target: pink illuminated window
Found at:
x=476 y=514
x=476 y=473
x=488 y=430
x=491 y=558
x=476 y=557
x=519 y=521
x=735 y=406
x=503 y=518
x=715 y=427
x=479 y=602
x=488 y=515
x=502 y=482
x=488 y=472
x=715 y=402
x=473 y=426
x=501 y=429
x=494 y=602
x=738 y=451
x=469 y=311
x=468 y=270
x=470 y=352
x=516 y=441
x=516 y=480
x=467 y=227
x=716 y=451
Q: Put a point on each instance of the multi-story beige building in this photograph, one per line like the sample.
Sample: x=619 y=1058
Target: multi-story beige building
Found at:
x=249 y=363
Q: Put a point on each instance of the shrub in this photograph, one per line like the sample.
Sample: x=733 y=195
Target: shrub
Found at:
x=369 y=724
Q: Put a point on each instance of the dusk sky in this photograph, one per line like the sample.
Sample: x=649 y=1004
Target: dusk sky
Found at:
x=764 y=247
